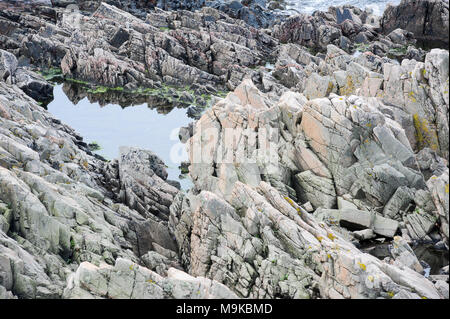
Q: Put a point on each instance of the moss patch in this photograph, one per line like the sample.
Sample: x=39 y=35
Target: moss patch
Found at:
x=51 y=74
x=94 y=146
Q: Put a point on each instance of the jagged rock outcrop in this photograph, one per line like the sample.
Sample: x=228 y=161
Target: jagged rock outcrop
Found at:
x=426 y=19
x=114 y=48
x=141 y=177
x=313 y=155
x=308 y=31
x=57 y=220
x=255 y=13
x=241 y=199
x=418 y=90
x=127 y=280
x=206 y=48
x=349 y=28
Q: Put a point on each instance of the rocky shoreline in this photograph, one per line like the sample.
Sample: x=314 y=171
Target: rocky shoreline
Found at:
x=339 y=123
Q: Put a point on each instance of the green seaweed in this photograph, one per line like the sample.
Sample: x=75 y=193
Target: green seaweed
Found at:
x=398 y=51
x=94 y=146
x=172 y=94
x=361 y=47
x=77 y=81
x=184 y=170
x=51 y=73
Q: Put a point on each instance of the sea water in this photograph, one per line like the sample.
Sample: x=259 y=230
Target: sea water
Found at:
x=309 y=6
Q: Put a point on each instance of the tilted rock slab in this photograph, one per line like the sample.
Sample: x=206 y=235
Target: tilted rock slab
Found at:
x=237 y=228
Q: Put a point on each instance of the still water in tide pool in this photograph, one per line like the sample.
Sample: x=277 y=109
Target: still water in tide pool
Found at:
x=112 y=126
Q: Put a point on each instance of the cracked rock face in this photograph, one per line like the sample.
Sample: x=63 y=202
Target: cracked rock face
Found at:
x=30 y=82
x=57 y=222
x=216 y=45
x=352 y=144
x=114 y=48
x=427 y=20
x=127 y=280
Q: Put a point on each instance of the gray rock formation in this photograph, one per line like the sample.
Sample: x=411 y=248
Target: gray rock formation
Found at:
x=290 y=252
x=33 y=84
x=127 y=280
x=426 y=19
x=114 y=48
x=58 y=225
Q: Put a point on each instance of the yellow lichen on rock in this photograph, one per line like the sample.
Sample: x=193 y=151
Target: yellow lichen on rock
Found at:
x=412 y=97
x=425 y=136
x=331 y=236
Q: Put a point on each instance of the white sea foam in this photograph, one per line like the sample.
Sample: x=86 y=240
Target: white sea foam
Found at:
x=309 y=6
